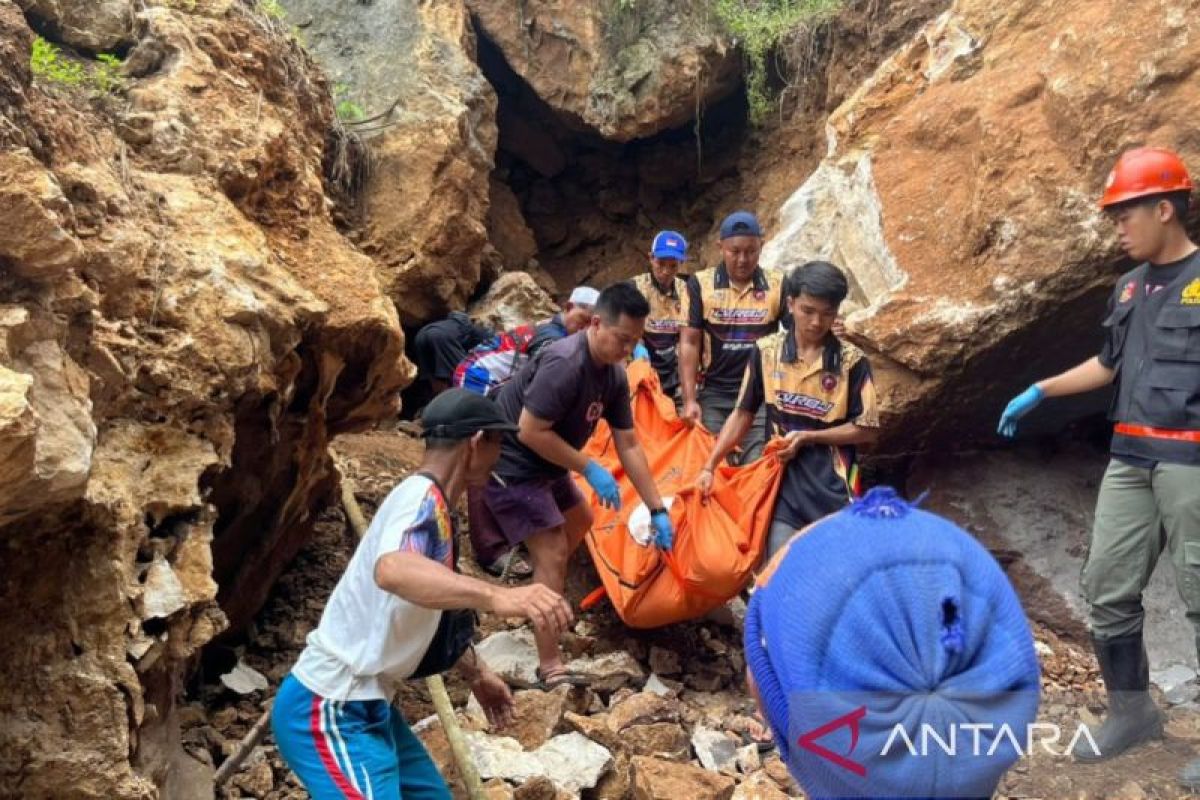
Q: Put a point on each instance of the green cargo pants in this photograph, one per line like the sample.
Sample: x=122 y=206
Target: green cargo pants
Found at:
x=1138 y=513
x=715 y=408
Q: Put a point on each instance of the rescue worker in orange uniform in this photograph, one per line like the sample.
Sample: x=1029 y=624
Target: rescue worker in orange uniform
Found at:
x=1150 y=496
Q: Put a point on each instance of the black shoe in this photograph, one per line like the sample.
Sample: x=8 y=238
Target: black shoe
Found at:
x=1132 y=716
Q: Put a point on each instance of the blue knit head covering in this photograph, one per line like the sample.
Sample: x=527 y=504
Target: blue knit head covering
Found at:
x=889 y=608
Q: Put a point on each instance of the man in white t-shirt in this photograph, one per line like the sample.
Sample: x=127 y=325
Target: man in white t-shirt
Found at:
x=400 y=611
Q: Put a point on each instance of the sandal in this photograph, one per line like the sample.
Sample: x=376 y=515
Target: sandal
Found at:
x=559 y=677
x=763 y=745
x=510 y=565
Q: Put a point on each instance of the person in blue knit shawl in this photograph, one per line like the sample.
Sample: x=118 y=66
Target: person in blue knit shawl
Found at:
x=890 y=656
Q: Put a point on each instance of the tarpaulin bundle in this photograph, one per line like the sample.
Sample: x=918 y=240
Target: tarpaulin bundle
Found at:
x=718 y=543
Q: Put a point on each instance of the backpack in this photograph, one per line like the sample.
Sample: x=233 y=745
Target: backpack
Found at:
x=490 y=365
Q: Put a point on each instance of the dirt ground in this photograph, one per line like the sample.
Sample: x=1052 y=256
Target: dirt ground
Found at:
x=217 y=719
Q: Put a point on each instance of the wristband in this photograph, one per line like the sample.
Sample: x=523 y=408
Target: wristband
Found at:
x=659 y=510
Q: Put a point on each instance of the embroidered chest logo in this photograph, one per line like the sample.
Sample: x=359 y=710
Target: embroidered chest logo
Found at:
x=595 y=410
x=1127 y=292
x=796 y=403
x=1191 y=294
x=829 y=382
x=739 y=316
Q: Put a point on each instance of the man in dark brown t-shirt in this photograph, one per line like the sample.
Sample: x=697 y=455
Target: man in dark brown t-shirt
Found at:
x=556 y=400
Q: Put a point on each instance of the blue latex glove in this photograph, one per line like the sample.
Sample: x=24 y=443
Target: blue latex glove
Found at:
x=603 y=484
x=1018 y=407
x=664 y=534
x=640 y=353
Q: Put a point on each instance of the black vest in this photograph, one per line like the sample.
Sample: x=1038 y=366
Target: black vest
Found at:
x=1164 y=389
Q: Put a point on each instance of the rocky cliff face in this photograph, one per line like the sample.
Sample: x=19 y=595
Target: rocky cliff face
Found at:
x=410 y=69
x=622 y=70
x=182 y=330
x=960 y=187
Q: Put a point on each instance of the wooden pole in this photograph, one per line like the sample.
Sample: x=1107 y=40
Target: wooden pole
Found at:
x=437 y=687
x=255 y=735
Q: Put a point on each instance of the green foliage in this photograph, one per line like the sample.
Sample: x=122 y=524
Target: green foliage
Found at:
x=273 y=9
x=106 y=75
x=347 y=109
x=49 y=64
x=760 y=26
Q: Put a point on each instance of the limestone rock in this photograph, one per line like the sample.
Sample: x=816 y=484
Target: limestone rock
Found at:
x=655 y=779
x=759 y=786
x=244 y=679
x=256 y=780
x=514 y=299
x=663 y=661
x=614 y=784
x=38 y=243
x=162 y=593
x=641 y=709
x=571 y=761
x=626 y=73
x=507 y=230
x=95 y=25
x=715 y=750
x=497 y=789
x=183 y=329
x=655 y=685
x=427 y=201
x=961 y=193
x=594 y=727
x=512 y=655
x=666 y=740
x=610 y=671
x=538 y=716
x=748 y=759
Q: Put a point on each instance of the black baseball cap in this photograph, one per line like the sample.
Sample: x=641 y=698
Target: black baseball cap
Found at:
x=460 y=413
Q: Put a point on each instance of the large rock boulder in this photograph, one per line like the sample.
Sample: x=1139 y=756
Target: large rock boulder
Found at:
x=412 y=65
x=182 y=331
x=960 y=189
x=95 y=25
x=623 y=70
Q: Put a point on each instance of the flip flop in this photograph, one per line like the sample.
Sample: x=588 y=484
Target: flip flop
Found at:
x=510 y=565
x=763 y=745
x=560 y=677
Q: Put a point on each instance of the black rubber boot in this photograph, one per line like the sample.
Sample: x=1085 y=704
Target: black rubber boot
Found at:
x=1132 y=716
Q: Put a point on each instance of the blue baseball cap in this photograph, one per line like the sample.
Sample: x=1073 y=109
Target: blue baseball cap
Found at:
x=669 y=244
x=740 y=223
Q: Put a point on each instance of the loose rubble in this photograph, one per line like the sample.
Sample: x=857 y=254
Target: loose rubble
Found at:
x=642 y=730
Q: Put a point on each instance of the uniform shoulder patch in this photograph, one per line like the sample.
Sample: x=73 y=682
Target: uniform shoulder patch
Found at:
x=1191 y=294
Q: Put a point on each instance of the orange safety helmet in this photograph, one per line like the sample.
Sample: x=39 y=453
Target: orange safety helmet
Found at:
x=1142 y=172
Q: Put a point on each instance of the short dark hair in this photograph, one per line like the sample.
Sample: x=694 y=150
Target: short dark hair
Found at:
x=622 y=298
x=441 y=443
x=818 y=279
x=1180 y=201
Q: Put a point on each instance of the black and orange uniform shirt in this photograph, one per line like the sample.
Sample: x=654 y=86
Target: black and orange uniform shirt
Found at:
x=731 y=321
x=830 y=391
x=668 y=316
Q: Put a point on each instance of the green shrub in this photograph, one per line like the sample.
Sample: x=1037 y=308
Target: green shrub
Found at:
x=347 y=110
x=49 y=64
x=273 y=9
x=106 y=76
x=760 y=26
